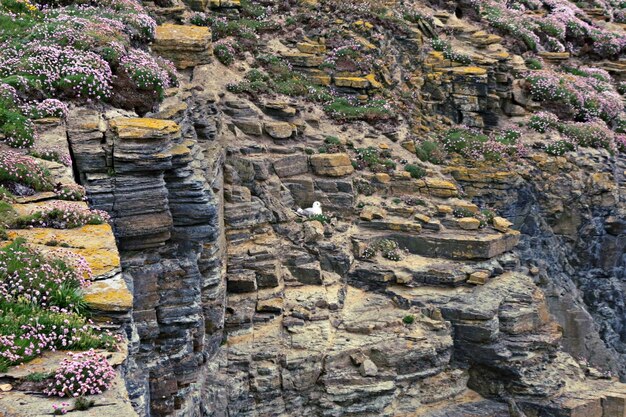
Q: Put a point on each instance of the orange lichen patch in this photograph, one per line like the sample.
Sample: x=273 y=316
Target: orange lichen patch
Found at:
x=107 y=296
x=373 y=81
x=468 y=71
x=95 y=243
x=353 y=82
x=144 y=128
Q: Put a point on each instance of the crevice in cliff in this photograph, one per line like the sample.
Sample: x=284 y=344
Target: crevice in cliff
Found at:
x=75 y=170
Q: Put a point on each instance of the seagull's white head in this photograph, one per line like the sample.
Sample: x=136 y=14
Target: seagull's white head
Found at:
x=317 y=205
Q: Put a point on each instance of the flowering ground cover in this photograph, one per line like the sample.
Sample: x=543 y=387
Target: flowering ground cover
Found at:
x=41 y=304
x=577 y=93
x=553 y=25
x=90 y=51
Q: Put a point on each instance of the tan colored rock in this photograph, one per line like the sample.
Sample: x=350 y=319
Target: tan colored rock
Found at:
x=249 y=126
x=6 y=387
x=444 y=209
x=311 y=48
x=109 y=295
x=372 y=212
x=225 y=4
x=382 y=178
x=478 y=278
x=409 y=145
x=332 y=165
x=185 y=45
x=466 y=206
x=95 y=243
x=501 y=224
x=469 y=223
x=352 y=82
x=313 y=231
x=555 y=56
x=304 y=60
x=279 y=130
x=440 y=188
x=272 y=305
x=422 y=218
x=368 y=368
x=144 y=128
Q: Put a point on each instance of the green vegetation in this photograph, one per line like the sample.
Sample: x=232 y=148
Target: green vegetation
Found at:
x=534 y=64
x=429 y=151
x=388 y=248
x=408 y=319
x=39 y=376
x=42 y=307
x=416 y=171
x=347 y=110
x=322 y=218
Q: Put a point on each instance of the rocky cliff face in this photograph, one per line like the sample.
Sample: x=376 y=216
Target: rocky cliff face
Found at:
x=393 y=305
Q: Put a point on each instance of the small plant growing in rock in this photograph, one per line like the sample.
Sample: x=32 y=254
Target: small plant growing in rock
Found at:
x=448 y=53
x=374 y=159
x=416 y=172
x=408 y=319
x=224 y=52
x=39 y=376
x=362 y=186
x=485 y=217
x=388 y=248
x=429 y=151
x=559 y=148
x=460 y=212
x=85 y=373
x=82 y=404
x=345 y=109
x=322 y=218
x=534 y=64
x=332 y=144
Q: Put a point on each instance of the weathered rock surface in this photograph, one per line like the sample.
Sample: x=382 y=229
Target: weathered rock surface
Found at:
x=185 y=46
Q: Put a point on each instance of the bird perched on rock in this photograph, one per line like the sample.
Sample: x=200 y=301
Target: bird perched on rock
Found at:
x=316 y=210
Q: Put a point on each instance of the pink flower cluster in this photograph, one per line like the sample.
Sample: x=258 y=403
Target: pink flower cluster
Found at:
x=70 y=192
x=47 y=108
x=38 y=276
x=584 y=93
x=60 y=409
x=64 y=215
x=562 y=21
x=86 y=373
x=24 y=170
x=145 y=71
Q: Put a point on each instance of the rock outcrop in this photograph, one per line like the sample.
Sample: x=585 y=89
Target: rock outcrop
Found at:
x=442 y=290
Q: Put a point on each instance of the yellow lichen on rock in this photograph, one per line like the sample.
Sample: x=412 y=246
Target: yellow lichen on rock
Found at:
x=109 y=295
x=95 y=243
x=144 y=128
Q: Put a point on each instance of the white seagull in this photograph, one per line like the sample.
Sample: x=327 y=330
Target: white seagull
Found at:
x=316 y=210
